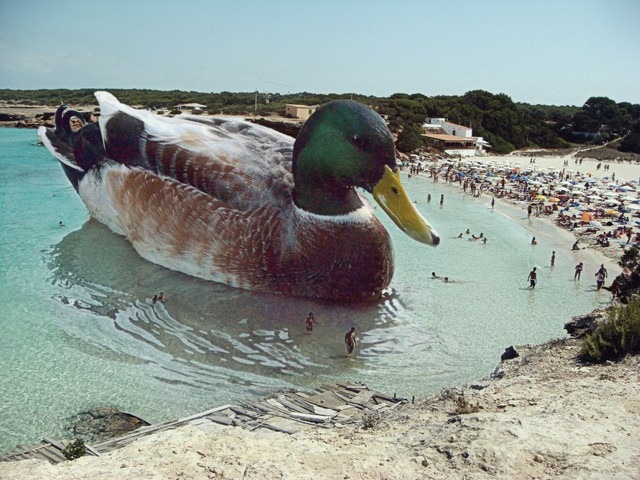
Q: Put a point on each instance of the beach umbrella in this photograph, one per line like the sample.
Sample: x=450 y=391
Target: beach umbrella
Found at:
x=541 y=197
x=612 y=213
x=593 y=197
x=633 y=206
x=587 y=217
x=556 y=200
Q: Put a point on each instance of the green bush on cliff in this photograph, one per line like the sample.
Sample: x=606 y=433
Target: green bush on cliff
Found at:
x=616 y=337
x=75 y=449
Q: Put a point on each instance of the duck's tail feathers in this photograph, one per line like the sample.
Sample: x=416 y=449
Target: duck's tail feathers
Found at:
x=77 y=150
x=57 y=140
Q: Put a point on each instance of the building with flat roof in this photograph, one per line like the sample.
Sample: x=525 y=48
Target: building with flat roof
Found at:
x=299 y=111
x=453 y=139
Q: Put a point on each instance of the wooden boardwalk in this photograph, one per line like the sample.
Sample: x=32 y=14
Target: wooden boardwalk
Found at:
x=287 y=412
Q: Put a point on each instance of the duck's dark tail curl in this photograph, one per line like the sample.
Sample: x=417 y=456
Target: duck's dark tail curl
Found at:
x=78 y=149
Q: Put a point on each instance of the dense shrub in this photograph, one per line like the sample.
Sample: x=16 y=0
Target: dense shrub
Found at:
x=629 y=258
x=615 y=337
x=75 y=449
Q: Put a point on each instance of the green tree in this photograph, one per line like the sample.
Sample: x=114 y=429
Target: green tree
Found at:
x=631 y=143
x=410 y=138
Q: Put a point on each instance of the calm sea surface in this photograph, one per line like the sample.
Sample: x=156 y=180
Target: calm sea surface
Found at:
x=78 y=329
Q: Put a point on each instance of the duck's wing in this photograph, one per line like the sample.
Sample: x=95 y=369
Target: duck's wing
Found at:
x=240 y=163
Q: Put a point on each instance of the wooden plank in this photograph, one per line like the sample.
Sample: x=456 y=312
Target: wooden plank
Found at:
x=310 y=418
x=292 y=405
x=243 y=412
x=325 y=400
x=301 y=403
x=220 y=419
x=59 y=445
x=53 y=456
x=361 y=399
x=277 y=405
x=91 y=450
x=199 y=415
x=353 y=388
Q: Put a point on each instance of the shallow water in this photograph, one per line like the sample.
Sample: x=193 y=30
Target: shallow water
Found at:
x=79 y=329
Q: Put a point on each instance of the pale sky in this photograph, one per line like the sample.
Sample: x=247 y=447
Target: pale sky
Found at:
x=553 y=52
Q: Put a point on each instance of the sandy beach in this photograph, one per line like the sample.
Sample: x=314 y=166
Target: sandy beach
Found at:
x=540 y=415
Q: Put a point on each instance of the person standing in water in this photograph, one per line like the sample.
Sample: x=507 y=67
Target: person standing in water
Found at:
x=579 y=268
x=442 y=199
x=553 y=258
x=603 y=271
x=533 y=277
x=310 y=321
x=350 y=340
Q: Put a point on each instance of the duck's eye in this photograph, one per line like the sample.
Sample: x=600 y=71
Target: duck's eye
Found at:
x=356 y=140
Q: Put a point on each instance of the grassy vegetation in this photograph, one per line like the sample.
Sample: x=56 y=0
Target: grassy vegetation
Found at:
x=616 y=337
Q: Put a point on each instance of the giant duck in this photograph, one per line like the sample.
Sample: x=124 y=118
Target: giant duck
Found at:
x=234 y=202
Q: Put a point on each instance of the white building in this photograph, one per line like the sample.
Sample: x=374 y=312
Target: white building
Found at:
x=194 y=107
x=453 y=139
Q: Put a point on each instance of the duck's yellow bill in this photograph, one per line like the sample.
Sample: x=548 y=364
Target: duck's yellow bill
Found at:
x=393 y=199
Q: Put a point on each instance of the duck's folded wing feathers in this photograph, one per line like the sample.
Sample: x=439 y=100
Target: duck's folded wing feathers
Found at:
x=240 y=163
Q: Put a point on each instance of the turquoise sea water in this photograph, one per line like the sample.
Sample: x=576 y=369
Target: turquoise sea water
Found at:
x=78 y=329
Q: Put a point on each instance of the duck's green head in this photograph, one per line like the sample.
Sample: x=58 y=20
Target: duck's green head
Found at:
x=344 y=145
